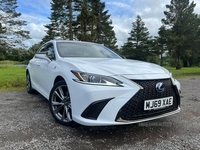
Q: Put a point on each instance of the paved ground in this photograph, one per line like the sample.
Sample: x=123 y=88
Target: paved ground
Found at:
x=26 y=123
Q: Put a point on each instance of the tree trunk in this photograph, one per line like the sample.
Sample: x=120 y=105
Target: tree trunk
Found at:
x=161 y=59
x=178 y=65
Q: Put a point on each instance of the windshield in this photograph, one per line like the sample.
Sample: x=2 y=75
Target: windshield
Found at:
x=76 y=49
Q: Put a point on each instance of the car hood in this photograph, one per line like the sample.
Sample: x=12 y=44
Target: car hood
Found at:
x=107 y=66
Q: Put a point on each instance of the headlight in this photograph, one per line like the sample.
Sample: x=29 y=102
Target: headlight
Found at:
x=89 y=78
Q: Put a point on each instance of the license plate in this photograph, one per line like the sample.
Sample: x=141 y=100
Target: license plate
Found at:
x=158 y=103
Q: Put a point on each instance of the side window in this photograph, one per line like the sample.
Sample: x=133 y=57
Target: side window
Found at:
x=50 y=51
x=42 y=50
x=50 y=47
x=47 y=47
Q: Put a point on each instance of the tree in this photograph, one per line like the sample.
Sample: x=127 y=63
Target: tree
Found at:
x=32 y=50
x=161 y=41
x=61 y=21
x=137 y=46
x=192 y=53
x=2 y=43
x=11 y=32
x=86 y=22
x=104 y=29
x=180 y=19
x=2 y=29
x=127 y=50
x=197 y=43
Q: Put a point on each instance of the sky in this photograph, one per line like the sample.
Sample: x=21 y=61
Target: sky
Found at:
x=123 y=14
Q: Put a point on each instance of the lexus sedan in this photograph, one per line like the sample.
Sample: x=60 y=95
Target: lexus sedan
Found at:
x=89 y=84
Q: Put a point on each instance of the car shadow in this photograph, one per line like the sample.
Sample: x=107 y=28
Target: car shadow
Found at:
x=154 y=131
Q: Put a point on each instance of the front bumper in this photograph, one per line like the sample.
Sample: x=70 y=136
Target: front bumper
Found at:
x=103 y=105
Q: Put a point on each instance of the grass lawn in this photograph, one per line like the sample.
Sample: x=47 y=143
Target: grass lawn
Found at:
x=12 y=77
x=184 y=72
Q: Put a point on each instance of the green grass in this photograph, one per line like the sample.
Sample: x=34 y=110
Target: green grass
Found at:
x=184 y=72
x=12 y=77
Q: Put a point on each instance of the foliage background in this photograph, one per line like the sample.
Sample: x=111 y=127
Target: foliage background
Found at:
x=177 y=44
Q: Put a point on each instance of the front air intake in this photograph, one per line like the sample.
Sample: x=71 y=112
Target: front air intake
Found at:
x=94 y=109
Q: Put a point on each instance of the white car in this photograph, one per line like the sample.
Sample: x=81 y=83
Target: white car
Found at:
x=88 y=84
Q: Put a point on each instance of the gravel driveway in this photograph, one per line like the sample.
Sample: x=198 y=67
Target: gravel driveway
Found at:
x=26 y=123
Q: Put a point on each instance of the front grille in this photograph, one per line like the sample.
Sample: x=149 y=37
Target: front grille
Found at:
x=134 y=108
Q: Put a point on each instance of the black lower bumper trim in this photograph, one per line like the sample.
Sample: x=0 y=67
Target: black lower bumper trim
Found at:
x=94 y=109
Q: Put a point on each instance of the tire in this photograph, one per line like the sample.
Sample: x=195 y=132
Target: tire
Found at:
x=60 y=104
x=29 y=88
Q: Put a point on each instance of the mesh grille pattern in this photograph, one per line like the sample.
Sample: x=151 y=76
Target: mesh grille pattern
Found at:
x=94 y=109
x=134 y=108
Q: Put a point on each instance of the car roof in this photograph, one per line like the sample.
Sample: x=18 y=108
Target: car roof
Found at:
x=73 y=41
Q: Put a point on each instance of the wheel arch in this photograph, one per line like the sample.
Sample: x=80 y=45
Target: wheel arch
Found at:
x=27 y=71
x=57 y=79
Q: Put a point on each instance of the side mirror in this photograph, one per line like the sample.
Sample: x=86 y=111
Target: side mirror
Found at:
x=50 y=55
